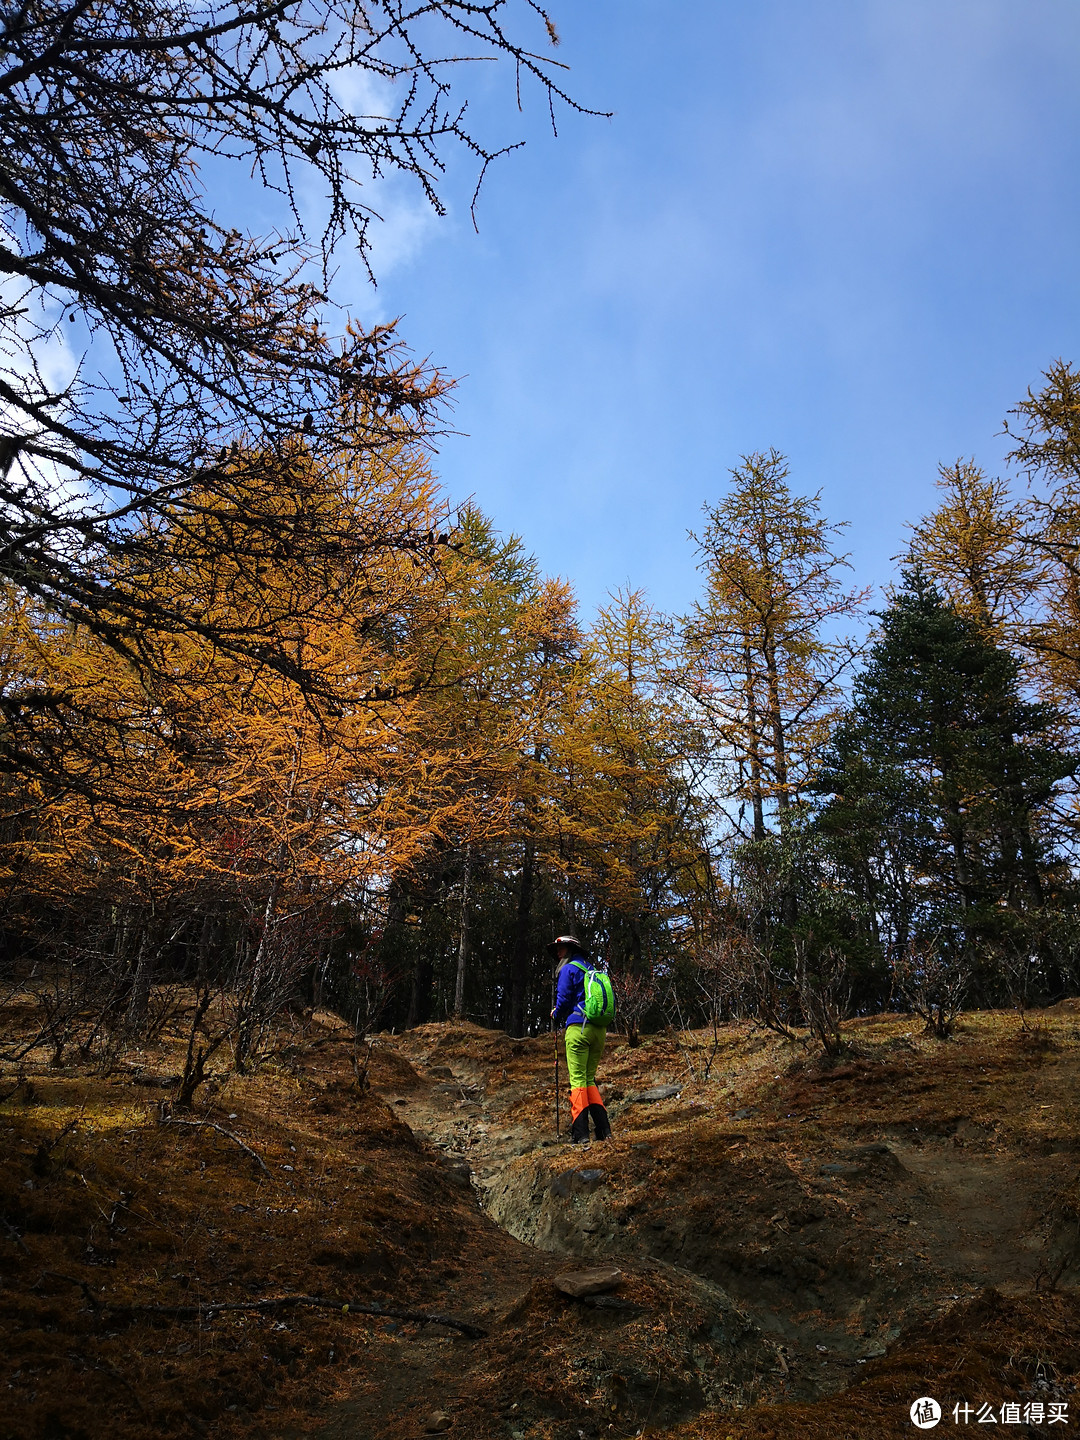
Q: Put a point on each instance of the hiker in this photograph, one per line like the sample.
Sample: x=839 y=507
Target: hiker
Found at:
x=584 y=1037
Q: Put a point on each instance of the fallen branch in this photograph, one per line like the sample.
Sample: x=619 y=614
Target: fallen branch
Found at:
x=209 y=1309
x=16 y=1235
x=88 y=1294
x=16 y=1055
x=98 y=1364
x=213 y=1125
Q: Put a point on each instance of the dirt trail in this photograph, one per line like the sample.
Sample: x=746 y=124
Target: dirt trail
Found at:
x=805 y=1246
x=987 y=1212
x=785 y=1223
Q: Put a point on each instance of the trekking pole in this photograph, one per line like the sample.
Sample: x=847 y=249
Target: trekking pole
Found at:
x=555 y=1037
x=556 y=1034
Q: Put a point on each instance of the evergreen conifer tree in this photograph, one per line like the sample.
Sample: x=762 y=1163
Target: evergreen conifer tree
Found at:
x=941 y=778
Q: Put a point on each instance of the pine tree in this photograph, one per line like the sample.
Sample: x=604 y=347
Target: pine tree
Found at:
x=1048 y=450
x=633 y=813
x=972 y=546
x=766 y=663
x=941 y=778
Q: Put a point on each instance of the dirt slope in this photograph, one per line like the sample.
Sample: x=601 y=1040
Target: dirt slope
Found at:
x=805 y=1248
x=841 y=1211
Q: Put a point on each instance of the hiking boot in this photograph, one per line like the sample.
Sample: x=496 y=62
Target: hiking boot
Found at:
x=601 y=1123
x=579 y=1130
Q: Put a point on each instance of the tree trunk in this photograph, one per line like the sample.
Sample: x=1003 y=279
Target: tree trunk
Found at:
x=789 y=905
x=463 y=941
x=141 y=976
x=252 y=1005
x=776 y=721
x=519 y=959
x=754 y=747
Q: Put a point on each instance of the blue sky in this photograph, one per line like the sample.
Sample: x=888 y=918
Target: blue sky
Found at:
x=844 y=228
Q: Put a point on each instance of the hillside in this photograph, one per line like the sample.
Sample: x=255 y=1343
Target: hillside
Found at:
x=805 y=1246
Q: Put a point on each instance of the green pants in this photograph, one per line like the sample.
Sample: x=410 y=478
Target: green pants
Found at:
x=584 y=1047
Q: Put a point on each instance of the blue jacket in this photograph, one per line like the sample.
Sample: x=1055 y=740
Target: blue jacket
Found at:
x=570 y=994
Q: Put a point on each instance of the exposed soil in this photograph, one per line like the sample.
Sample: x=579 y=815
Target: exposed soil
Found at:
x=805 y=1246
x=834 y=1210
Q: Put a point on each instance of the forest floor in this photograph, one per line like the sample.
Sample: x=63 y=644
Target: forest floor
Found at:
x=806 y=1246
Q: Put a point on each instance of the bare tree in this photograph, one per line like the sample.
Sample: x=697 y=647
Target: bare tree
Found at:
x=934 y=984
x=823 y=982
x=744 y=979
x=213 y=376
x=635 y=996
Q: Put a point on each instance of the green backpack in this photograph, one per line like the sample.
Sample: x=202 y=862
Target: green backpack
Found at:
x=599 y=1006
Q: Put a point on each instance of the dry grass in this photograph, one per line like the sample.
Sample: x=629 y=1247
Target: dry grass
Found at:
x=992 y=1349
x=103 y=1207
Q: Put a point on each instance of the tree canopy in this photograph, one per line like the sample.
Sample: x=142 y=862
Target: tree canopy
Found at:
x=282 y=722
x=216 y=373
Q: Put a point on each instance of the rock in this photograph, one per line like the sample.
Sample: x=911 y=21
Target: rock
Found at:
x=612 y=1302
x=844 y=1172
x=598 y=1281
x=587 y=1180
x=875 y=1157
x=458 y=1169
x=576 y=1182
x=440 y=1072
x=658 y=1092
x=437 y=1422
x=742 y=1114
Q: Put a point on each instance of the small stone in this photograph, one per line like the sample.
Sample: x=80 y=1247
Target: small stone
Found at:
x=876 y=1157
x=658 y=1092
x=742 y=1114
x=587 y=1180
x=437 y=1422
x=598 y=1281
x=611 y=1302
x=440 y=1072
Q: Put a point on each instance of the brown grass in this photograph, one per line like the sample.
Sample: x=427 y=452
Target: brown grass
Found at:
x=993 y=1349
x=101 y=1206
